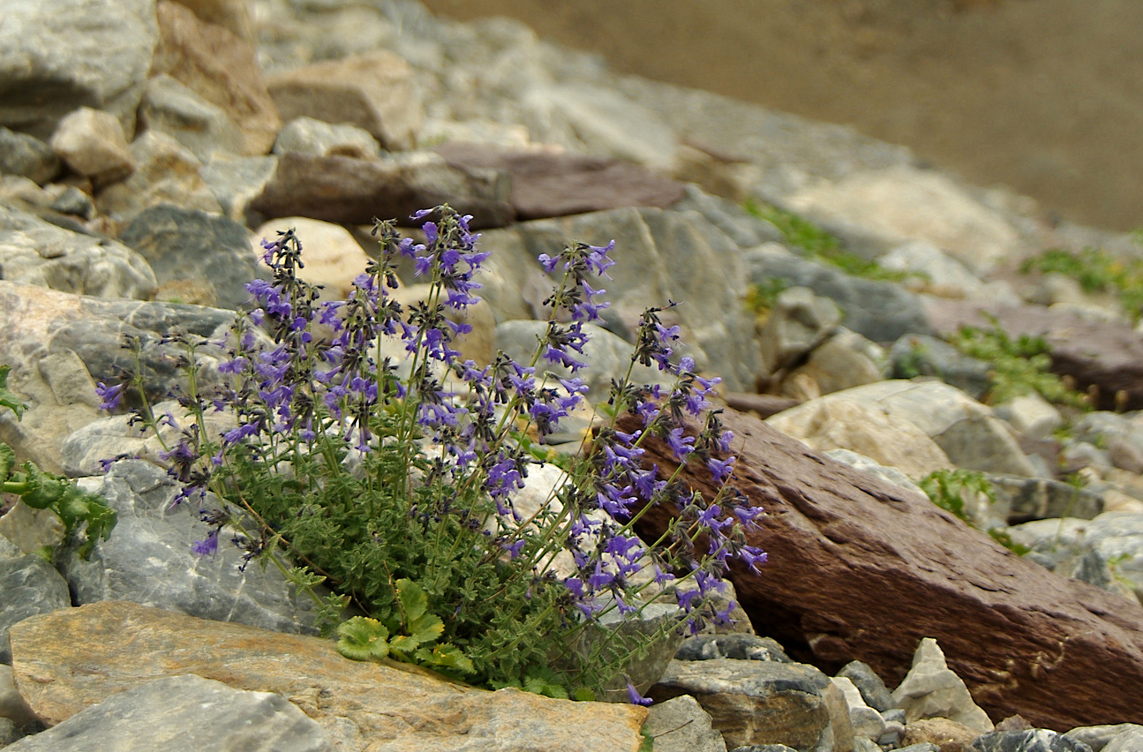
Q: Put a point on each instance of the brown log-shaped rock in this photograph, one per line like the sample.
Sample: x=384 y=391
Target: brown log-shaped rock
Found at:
x=860 y=569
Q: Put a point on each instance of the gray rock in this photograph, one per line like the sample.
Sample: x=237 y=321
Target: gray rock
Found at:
x=868 y=465
x=35 y=252
x=1119 y=435
x=8 y=549
x=1031 y=415
x=236 y=181
x=93 y=144
x=922 y=355
x=184 y=714
x=202 y=127
x=75 y=202
x=746 y=647
x=317 y=138
x=754 y=702
x=1097 y=737
x=30 y=586
x=148 y=559
x=798 y=322
x=765 y=748
x=607 y=356
x=1032 y=740
x=681 y=725
x=745 y=229
x=922 y=747
x=1128 y=741
x=932 y=690
x=56 y=55
x=1026 y=499
x=187 y=244
x=865 y=721
x=13 y=707
x=21 y=154
x=872 y=689
x=881 y=311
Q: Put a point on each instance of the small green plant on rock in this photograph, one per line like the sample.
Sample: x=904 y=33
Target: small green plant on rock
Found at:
x=1097 y=271
x=948 y=488
x=81 y=512
x=1017 y=366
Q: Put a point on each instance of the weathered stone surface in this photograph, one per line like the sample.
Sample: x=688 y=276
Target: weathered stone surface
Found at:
x=861 y=570
x=921 y=355
x=57 y=55
x=843 y=361
x=21 y=154
x=221 y=68
x=184 y=713
x=30 y=530
x=742 y=647
x=236 y=181
x=881 y=311
x=865 y=721
x=931 y=690
x=1106 y=551
x=375 y=91
x=232 y=15
x=1031 y=415
x=941 y=733
x=681 y=725
x=1097 y=737
x=12 y=705
x=1026 y=499
x=317 y=138
x=798 y=322
x=177 y=110
x=149 y=560
x=868 y=465
x=753 y=702
x=1032 y=740
x=1128 y=741
x=362 y=706
x=167 y=173
x=1104 y=355
x=545 y=184
x=354 y=191
x=877 y=210
x=92 y=143
x=188 y=244
x=35 y=252
x=829 y=424
x=868 y=683
x=942 y=276
x=30 y=586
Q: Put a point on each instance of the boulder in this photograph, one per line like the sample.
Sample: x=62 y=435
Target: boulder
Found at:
x=547 y=184
x=221 y=68
x=189 y=245
x=92 y=143
x=939 y=735
x=1031 y=415
x=865 y=721
x=202 y=127
x=1098 y=737
x=1106 y=356
x=57 y=55
x=316 y=138
x=375 y=91
x=21 y=154
x=30 y=586
x=922 y=355
x=754 y=702
x=184 y=712
x=798 y=322
x=232 y=15
x=742 y=647
x=332 y=257
x=77 y=658
x=873 y=691
x=931 y=690
x=354 y=191
x=36 y=252
x=844 y=360
x=681 y=725
x=1031 y=740
x=859 y=569
x=236 y=181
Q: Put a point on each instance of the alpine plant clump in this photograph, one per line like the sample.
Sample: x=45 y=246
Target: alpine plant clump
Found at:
x=394 y=483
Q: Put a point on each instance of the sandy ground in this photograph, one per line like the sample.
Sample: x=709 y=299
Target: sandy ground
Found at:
x=1044 y=96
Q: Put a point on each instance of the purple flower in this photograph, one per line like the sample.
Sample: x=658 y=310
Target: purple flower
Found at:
x=680 y=445
x=109 y=396
x=208 y=546
x=752 y=556
x=635 y=697
x=720 y=468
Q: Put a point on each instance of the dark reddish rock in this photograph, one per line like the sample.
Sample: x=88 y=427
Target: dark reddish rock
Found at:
x=764 y=405
x=556 y=185
x=1104 y=355
x=862 y=570
x=354 y=191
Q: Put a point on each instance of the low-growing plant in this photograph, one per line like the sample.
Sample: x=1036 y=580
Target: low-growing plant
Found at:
x=948 y=488
x=821 y=245
x=1016 y=366
x=762 y=297
x=83 y=514
x=1097 y=271
x=395 y=483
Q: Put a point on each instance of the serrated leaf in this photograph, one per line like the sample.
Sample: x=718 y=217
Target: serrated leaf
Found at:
x=427 y=628
x=404 y=644
x=450 y=657
x=358 y=636
x=414 y=602
x=43 y=489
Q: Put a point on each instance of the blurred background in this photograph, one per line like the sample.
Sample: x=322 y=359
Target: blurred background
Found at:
x=1043 y=96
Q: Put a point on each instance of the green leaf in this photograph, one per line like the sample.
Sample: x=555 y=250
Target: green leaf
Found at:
x=7 y=461
x=426 y=629
x=8 y=398
x=648 y=744
x=414 y=602
x=359 y=638
x=43 y=489
x=449 y=657
x=404 y=644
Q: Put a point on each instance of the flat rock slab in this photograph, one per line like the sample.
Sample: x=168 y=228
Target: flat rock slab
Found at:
x=1108 y=356
x=73 y=659
x=860 y=569
x=555 y=185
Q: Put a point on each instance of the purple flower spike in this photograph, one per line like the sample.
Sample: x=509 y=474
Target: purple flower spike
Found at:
x=635 y=697
x=109 y=396
x=208 y=546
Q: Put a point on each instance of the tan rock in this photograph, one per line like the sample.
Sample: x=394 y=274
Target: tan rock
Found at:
x=167 y=174
x=374 y=91
x=232 y=15
x=219 y=66
x=93 y=144
x=863 y=428
x=331 y=255
x=950 y=736
x=73 y=659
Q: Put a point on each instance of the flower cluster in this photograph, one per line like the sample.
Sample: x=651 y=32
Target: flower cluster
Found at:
x=374 y=469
